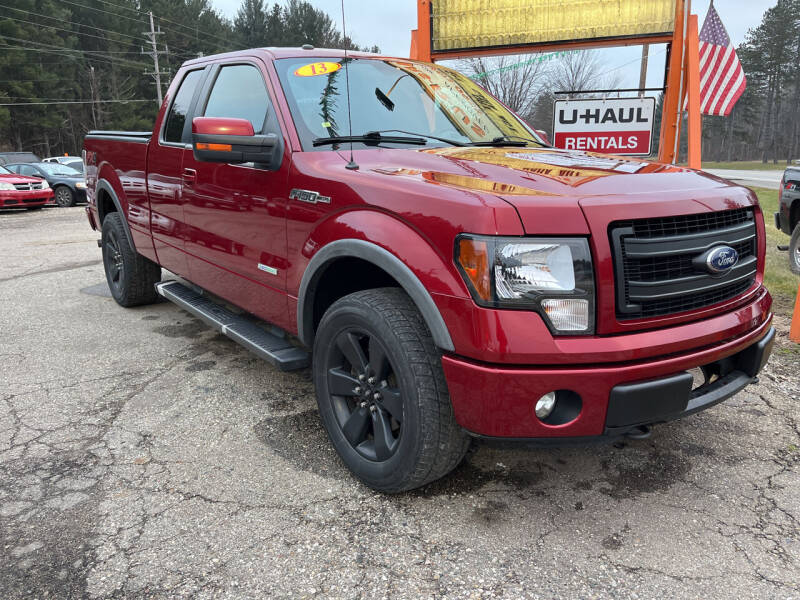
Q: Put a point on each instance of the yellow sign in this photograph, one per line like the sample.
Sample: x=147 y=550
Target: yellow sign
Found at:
x=463 y=24
x=317 y=68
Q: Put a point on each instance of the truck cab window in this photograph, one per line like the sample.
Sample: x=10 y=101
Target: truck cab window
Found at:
x=239 y=92
x=176 y=119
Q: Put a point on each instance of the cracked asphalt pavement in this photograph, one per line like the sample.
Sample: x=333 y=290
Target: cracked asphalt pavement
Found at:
x=144 y=456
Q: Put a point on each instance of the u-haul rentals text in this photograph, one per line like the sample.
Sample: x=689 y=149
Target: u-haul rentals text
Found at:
x=615 y=125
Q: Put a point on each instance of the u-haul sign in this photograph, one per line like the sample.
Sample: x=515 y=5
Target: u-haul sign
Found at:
x=613 y=125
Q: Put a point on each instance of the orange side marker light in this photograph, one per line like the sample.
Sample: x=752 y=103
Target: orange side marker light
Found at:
x=214 y=147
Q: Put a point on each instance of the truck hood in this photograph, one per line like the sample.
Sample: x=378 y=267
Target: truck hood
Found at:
x=543 y=184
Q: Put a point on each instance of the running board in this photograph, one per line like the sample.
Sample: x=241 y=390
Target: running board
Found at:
x=273 y=348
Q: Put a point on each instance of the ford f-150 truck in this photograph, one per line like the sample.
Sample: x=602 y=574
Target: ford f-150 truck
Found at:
x=445 y=273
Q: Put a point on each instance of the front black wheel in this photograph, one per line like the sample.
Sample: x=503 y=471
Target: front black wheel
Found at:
x=382 y=394
x=131 y=277
x=64 y=196
x=794 y=250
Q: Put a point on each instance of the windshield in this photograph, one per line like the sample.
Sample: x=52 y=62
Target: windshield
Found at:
x=57 y=169
x=4 y=171
x=392 y=94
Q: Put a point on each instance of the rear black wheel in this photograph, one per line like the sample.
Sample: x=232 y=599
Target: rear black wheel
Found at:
x=794 y=250
x=131 y=277
x=64 y=196
x=382 y=394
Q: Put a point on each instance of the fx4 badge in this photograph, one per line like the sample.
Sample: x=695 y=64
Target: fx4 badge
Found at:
x=309 y=196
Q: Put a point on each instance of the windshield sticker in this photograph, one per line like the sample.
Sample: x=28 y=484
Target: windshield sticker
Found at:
x=317 y=68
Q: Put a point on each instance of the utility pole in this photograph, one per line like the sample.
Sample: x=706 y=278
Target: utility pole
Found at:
x=92 y=88
x=643 y=71
x=151 y=35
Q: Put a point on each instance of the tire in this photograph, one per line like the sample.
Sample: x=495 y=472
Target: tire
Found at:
x=64 y=196
x=130 y=276
x=376 y=342
x=794 y=250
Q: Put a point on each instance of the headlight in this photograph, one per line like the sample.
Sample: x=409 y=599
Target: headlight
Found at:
x=552 y=276
x=45 y=185
x=81 y=185
x=6 y=186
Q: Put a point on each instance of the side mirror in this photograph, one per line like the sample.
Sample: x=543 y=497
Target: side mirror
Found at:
x=233 y=141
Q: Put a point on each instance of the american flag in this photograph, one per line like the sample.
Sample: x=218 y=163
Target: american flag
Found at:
x=722 y=79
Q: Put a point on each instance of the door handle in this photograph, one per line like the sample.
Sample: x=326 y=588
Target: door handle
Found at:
x=189 y=176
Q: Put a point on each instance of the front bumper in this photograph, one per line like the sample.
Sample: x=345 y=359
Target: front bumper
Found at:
x=498 y=401
x=21 y=199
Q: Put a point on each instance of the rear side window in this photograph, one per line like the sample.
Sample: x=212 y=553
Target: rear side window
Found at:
x=239 y=92
x=176 y=119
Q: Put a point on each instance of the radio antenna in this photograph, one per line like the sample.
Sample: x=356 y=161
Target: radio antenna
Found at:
x=352 y=164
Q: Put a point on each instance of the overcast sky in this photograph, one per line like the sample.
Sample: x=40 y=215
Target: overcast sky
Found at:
x=389 y=23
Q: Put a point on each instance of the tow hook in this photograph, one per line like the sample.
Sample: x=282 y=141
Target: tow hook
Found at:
x=640 y=432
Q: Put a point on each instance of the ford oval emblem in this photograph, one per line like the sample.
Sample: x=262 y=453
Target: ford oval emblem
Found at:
x=721 y=259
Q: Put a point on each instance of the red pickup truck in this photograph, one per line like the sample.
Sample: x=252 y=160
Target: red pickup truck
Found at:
x=446 y=273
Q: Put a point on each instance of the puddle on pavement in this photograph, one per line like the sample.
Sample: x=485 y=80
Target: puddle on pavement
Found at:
x=99 y=289
x=300 y=439
x=191 y=329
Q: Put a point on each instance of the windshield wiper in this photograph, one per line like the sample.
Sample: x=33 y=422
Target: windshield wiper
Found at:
x=508 y=140
x=371 y=138
x=425 y=135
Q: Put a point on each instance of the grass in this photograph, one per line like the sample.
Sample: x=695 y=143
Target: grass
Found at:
x=780 y=281
x=745 y=165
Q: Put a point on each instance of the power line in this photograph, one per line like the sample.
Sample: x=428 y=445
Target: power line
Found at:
x=197 y=31
x=121 y=62
x=65 y=22
x=40 y=25
x=95 y=54
x=192 y=29
x=71 y=102
x=37 y=80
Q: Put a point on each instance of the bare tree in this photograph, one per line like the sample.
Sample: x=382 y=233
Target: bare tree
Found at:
x=517 y=81
x=582 y=70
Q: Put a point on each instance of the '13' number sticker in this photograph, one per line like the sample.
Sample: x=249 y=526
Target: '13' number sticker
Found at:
x=317 y=68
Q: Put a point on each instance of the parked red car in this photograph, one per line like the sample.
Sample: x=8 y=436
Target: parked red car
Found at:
x=20 y=191
x=446 y=273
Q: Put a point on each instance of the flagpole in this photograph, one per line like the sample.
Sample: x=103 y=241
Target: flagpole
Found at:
x=695 y=126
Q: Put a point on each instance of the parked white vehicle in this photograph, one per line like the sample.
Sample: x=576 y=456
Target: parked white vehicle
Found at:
x=76 y=162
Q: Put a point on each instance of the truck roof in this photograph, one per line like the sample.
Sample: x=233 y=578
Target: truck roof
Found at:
x=277 y=53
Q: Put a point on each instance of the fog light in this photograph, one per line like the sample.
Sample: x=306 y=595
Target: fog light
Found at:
x=545 y=405
x=568 y=314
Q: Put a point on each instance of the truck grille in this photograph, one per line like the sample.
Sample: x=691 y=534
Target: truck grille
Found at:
x=653 y=262
x=24 y=187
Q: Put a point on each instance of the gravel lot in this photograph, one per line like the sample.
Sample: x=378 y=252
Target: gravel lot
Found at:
x=144 y=456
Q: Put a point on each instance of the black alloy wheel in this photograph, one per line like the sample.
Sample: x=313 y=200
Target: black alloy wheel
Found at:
x=365 y=397
x=64 y=196
x=382 y=393
x=113 y=261
x=131 y=277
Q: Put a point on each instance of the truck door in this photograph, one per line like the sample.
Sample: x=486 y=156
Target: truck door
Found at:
x=164 y=163
x=236 y=213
